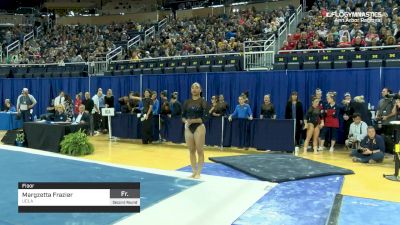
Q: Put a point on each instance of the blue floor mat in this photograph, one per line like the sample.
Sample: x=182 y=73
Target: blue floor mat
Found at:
x=279 y=167
x=24 y=167
x=361 y=211
x=301 y=202
x=221 y=170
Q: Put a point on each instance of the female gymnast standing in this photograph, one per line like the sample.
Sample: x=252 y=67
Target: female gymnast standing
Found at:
x=194 y=114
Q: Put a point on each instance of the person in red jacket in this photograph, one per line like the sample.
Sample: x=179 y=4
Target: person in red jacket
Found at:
x=331 y=118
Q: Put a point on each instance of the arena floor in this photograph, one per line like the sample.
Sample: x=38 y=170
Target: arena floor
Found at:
x=220 y=197
x=367 y=182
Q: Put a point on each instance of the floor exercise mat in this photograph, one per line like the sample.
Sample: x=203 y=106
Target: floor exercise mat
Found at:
x=361 y=211
x=279 y=167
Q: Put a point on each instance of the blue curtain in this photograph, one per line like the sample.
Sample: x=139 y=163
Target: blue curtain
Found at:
x=121 y=86
x=180 y=83
x=391 y=79
x=279 y=84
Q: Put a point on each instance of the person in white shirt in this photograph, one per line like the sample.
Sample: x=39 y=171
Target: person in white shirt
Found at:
x=357 y=132
x=60 y=99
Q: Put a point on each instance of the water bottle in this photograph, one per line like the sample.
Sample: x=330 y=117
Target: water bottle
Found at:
x=296 y=151
x=35 y=118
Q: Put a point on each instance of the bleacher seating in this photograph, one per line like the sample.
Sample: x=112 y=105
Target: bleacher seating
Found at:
x=228 y=63
x=306 y=48
x=338 y=60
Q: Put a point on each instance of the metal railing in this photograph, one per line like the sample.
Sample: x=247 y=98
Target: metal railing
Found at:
x=39 y=30
x=113 y=53
x=148 y=33
x=28 y=36
x=179 y=57
x=12 y=47
x=133 y=42
x=161 y=25
x=338 y=49
x=97 y=68
x=259 y=55
x=282 y=35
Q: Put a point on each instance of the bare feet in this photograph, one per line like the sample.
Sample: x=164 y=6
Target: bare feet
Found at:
x=196 y=176
x=192 y=176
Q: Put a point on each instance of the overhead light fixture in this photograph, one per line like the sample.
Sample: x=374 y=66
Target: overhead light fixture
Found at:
x=217 y=6
x=239 y=3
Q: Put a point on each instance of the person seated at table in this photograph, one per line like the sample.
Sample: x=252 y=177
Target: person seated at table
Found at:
x=49 y=115
x=82 y=117
x=60 y=115
x=242 y=111
x=372 y=148
x=8 y=107
x=267 y=109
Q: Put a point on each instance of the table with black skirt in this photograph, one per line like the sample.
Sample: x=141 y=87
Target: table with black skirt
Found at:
x=48 y=136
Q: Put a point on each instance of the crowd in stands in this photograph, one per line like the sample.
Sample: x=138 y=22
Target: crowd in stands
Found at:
x=213 y=34
x=319 y=31
x=210 y=35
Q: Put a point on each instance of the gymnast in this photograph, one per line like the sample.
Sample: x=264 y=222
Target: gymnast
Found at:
x=194 y=114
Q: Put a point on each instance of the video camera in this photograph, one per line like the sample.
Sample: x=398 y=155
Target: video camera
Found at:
x=393 y=95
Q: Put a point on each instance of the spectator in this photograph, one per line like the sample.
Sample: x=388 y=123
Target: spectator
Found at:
x=385 y=105
x=59 y=100
x=331 y=121
x=78 y=102
x=313 y=122
x=357 y=43
x=165 y=106
x=175 y=105
x=60 y=115
x=372 y=148
x=89 y=106
x=25 y=104
x=347 y=112
x=294 y=110
x=357 y=132
x=147 y=121
x=242 y=111
x=215 y=109
x=68 y=107
x=224 y=107
x=8 y=107
x=156 y=103
x=267 y=109
x=359 y=106
x=82 y=117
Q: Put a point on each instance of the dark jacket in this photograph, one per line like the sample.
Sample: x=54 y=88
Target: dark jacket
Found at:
x=85 y=117
x=299 y=111
x=60 y=117
x=176 y=109
x=374 y=144
x=362 y=108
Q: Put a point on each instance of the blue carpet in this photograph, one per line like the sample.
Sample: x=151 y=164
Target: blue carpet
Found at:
x=221 y=170
x=301 y=202
x=361 y=211
x=24 y=167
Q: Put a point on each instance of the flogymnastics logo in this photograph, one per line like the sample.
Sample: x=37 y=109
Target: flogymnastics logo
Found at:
x=354 y=17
